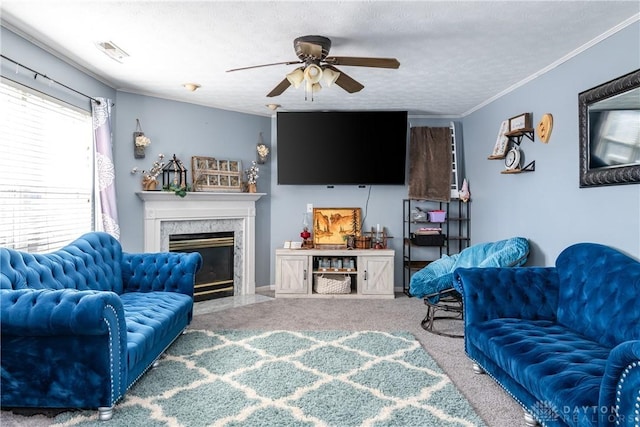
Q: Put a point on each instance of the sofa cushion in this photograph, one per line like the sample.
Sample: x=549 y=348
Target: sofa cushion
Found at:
x=562 y=368
x=599 y=293
x=153 y=320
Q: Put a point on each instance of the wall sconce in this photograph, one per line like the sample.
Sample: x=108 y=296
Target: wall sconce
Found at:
x=262 y=149
x=140 y=142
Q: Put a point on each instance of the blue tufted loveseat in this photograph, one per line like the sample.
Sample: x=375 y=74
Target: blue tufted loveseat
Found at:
x=563 y=341
x=80 y=325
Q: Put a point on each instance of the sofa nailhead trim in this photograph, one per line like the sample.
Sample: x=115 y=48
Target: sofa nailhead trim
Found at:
x=626 y=372
x=111 y=336
x=524 y=407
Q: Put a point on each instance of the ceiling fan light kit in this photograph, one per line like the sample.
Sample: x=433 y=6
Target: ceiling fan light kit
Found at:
x=329 y=76
x=312 y=88
x=296 y=77
x=313 y=73
x=313 y=51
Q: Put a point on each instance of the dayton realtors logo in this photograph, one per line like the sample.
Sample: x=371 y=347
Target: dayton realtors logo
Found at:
x=545 y=411
x=548 y=412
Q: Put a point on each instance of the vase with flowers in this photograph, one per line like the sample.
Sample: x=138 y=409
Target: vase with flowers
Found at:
x=252 y=176
x=150 y=177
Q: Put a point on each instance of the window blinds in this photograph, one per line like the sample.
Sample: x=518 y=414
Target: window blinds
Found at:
x=46 y=170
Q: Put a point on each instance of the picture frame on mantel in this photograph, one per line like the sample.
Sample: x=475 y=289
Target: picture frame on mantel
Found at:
x=211 y=174
x=331 y=226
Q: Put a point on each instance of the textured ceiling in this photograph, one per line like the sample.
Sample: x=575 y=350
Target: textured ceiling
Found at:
x=454 y=56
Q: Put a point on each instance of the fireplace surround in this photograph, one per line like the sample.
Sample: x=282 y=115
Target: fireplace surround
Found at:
x=166 y=214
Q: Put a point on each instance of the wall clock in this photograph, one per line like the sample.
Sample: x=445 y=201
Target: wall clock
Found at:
x=512 y=160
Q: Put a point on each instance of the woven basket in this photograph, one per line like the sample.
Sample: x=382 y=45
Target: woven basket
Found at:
x=333 y=284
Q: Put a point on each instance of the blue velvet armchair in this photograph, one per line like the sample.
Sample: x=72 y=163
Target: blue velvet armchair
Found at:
x=80 y=325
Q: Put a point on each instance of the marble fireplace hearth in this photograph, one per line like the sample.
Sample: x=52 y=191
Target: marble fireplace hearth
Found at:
x=166 y=214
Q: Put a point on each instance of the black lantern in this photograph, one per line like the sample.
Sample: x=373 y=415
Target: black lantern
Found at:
x=174 y=175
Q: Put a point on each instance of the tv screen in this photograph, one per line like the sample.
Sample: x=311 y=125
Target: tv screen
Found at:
x=341 y=147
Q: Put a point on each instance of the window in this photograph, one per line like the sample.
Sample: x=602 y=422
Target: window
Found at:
x=46 y=170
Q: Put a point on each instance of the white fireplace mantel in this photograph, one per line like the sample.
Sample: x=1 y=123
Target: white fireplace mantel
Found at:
x=166 y=213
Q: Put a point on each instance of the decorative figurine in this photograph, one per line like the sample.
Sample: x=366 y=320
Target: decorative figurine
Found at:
x=464 y=193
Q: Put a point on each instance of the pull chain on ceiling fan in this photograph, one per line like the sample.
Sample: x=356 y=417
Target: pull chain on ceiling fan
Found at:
x=313 y=51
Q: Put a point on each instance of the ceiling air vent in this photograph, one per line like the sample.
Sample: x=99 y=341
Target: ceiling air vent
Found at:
x=112 y=51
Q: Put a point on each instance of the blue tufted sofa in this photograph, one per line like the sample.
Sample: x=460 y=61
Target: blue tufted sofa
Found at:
x=80 y=325
x=563 y=341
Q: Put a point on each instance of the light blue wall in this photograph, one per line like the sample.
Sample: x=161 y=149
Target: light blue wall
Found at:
x=547 y=206
x=30 y=55
x=186 y=130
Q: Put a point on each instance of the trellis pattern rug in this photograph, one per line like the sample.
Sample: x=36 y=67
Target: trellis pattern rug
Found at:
x=285 y=378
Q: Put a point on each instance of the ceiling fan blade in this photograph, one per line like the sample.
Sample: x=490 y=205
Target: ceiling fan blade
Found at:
x=265 y=65
x=345 y=82
x=363 y=61
x=282 y=86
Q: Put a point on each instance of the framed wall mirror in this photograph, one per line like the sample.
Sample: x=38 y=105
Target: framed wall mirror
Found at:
x=609 y=131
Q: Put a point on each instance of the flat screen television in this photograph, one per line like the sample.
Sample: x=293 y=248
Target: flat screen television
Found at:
x=341 y=147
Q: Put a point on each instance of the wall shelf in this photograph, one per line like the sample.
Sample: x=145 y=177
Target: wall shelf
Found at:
x=517 y=135
x=530 y=167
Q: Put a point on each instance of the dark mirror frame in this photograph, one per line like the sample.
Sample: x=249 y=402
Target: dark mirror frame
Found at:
x=604 y=176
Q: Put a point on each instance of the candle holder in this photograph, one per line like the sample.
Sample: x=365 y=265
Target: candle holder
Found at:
x=378 y=237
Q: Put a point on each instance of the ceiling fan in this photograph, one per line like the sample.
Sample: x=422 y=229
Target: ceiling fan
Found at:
x=313 y=52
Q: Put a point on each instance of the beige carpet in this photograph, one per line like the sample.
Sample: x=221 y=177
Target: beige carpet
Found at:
x=491 y=402
x=494 y=405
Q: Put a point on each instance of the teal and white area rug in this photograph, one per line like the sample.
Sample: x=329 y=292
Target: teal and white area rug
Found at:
x=285 y=378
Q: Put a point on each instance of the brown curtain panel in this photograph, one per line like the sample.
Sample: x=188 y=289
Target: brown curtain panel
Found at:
x=430 y=160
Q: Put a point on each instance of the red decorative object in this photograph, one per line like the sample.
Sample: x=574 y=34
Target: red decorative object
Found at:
x=305 y=233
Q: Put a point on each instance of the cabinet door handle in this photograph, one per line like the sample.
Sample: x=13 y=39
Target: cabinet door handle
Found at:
x=304 y=277
x=365 y=275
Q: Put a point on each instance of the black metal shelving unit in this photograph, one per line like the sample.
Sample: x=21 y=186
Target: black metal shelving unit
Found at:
x=456 y=229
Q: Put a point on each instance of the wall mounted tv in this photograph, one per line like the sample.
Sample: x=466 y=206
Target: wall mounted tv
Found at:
x=341 y=147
